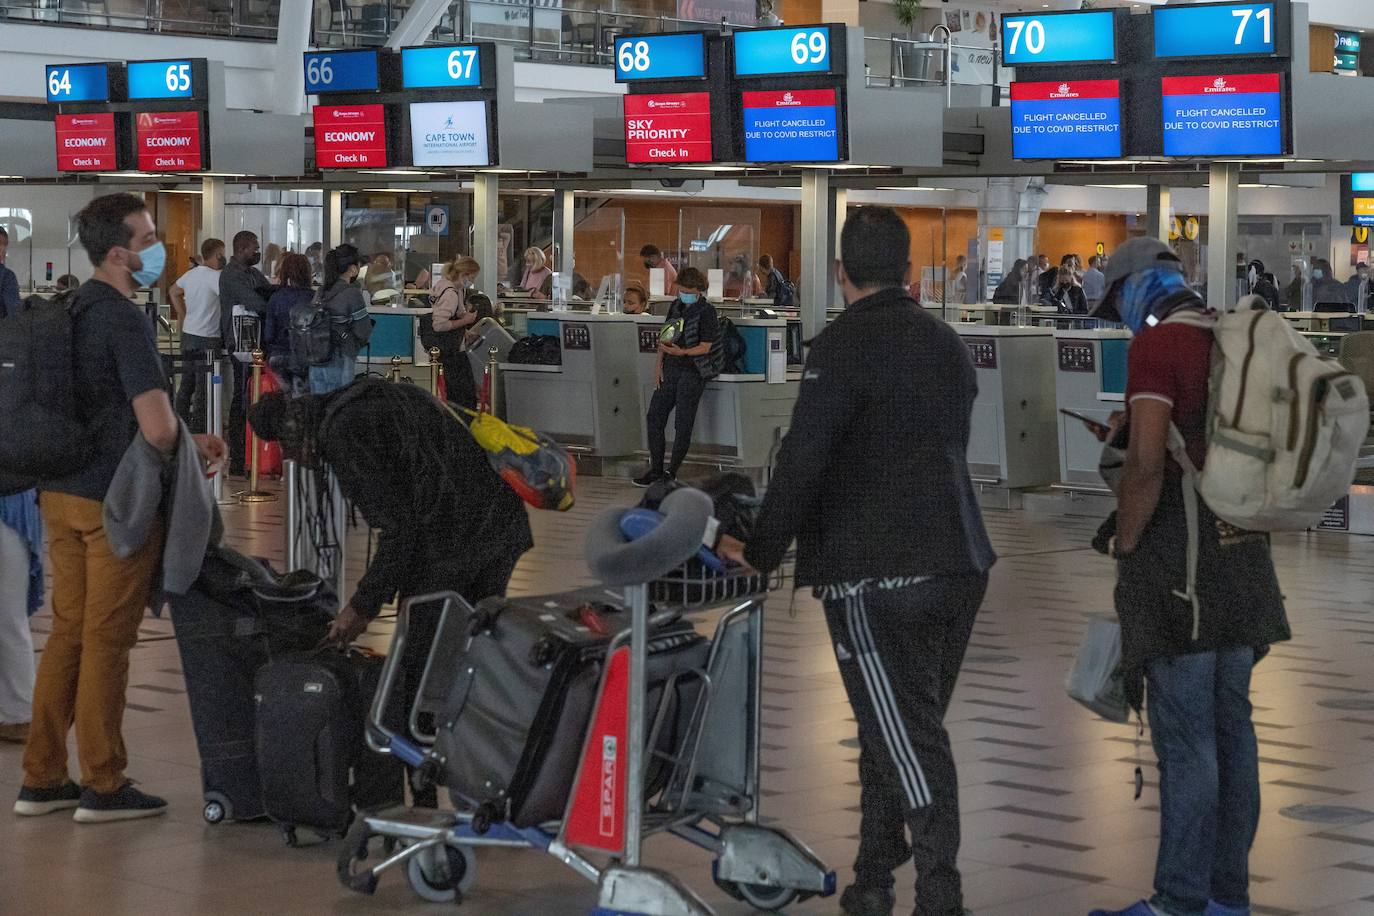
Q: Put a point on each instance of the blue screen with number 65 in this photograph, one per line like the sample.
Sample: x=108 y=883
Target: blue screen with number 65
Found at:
x=161 y=79
x=658 y=57
x=769 y=52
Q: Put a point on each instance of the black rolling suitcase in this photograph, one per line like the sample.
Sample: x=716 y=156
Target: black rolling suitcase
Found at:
x=316 y=767
x=522 y=693
x=237 y=617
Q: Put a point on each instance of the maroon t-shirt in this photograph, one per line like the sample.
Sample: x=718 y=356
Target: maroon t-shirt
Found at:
x=1171 y=363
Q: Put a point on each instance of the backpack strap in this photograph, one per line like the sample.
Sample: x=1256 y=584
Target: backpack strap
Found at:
x=1178 y=450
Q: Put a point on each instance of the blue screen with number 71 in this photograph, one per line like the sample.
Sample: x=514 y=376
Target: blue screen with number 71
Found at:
x=1215 y=30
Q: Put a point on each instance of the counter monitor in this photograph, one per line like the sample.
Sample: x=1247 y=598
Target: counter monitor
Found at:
x=169 y=141
x=795 y=125
x=678 y=55
x=166 y=79
x=1357 y=199
x=341 y=71
x=1072 y=119
x=350 y=136
x=1059 y=38
x=451 y=134
x=78 y=82
x=669 y=127
x=1231 y=115
x=442 y=67
x=787 y=51
x=87 y=142
x=1217 y=30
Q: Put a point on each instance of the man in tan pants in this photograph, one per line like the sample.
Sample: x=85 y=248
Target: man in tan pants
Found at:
x=98 y=598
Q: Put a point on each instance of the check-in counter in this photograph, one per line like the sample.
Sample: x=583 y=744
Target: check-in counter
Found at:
x=395 y=332
x=742 y=416
x=591 y=402
x=1013 y=436
x=1089 y=378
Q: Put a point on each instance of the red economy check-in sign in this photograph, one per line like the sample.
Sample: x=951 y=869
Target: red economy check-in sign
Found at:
x=168 y=141
x=672 y=127
x=86 y=142
x=350 y=136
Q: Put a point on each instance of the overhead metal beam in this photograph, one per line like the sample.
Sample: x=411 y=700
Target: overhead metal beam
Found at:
x=293 y=37
x=417 y=24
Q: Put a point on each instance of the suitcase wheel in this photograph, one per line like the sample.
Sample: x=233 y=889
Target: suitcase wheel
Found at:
x=442 y=874
x=217 y=809
x=759 y=896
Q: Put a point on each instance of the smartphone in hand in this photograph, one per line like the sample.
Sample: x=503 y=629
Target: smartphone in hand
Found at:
x=1095 y=427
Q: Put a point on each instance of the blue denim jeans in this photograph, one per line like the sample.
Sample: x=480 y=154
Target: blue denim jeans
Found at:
x=334 y=375
x=1199 y=707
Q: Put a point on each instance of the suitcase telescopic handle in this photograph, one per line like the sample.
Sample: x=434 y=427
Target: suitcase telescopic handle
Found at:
x=381 y=737
x=615 y=561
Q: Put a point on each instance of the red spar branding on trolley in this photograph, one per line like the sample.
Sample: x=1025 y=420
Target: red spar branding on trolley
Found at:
x=674 y=127
x=169 y=141
x=86 y=142
x=350 y=136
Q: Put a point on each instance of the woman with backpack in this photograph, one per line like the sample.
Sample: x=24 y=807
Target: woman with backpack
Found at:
x=451 y=319
x=276 y=336
x=345 y=303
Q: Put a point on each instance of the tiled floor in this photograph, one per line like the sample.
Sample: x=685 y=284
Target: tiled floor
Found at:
x=1050 y=828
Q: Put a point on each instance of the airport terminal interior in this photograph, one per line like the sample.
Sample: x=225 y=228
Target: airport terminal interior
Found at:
x=565 y=163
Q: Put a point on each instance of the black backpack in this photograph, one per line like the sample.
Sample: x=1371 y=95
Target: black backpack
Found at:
x=312 y=334
x=45 y=436
x=784 y=293
x=537 y=350
x=727 y=355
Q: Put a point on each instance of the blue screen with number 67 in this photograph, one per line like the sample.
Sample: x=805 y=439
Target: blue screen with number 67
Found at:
x=767 y=52
x=441 y=67
x=657 y=57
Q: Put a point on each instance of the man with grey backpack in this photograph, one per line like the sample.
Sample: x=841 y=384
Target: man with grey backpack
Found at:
x=1197 y=596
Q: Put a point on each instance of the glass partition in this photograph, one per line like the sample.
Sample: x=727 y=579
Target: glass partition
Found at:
x=599 y=249
x=724 y=239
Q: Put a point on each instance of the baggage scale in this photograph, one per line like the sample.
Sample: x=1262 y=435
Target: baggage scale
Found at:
x=711 y=796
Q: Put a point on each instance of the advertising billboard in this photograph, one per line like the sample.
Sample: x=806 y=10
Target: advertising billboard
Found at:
x=669 y=127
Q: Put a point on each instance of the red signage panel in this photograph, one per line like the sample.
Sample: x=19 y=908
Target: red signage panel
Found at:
x=86 y=143
x=350 y=136
x=672 y=127
x=168 y=141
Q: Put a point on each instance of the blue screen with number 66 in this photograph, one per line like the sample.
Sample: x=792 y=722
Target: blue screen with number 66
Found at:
x=658 y=57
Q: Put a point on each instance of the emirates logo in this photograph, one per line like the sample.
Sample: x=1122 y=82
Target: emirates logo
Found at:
x=1063 y=88
x=1219 y=85
x=1065 y=91
x=787 y=97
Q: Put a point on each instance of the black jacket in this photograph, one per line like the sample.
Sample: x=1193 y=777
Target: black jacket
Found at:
x=1069 y=300
x=1268 y=292
x=872 y=479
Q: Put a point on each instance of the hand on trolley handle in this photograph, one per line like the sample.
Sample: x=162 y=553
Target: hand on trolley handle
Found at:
x=731 y=550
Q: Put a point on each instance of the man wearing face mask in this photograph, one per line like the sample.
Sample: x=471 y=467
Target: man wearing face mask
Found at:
x=1357 y=287
x=1192 y=653
x=241 y=283
x=1261 y=286
x=98 y=597
x=1326 y=289
x=195 y=302
x=346 y=303
x=654 y=260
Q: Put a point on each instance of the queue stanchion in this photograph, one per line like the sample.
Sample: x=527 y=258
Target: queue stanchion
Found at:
x=253 y=494
x=490 y=382
x=436 y=371
x=214 y=416
x=394 y=373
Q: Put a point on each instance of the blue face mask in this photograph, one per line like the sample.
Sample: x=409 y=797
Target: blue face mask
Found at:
x=154 y=259
x=1318 y=274
x=688 y=298
x=1141 y=292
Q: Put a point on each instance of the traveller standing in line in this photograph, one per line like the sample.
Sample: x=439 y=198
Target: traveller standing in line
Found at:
x=195 y=302
x=64 y=288
x=452 y=317
x=1293 y=292
x=1066 y=295
x=346 y=303
x=1094 y=282
x=1192 y=661
x=1357 y=288
x=1326 y=289
x=887 y=393
x=276 y=336
x=98 y=597
x=685 y=364
x=1048 y=276
x=654 y=260
x=10 y=304
x=240 y=283
x=21 y=594
x=775 y=285
x=1262 y=285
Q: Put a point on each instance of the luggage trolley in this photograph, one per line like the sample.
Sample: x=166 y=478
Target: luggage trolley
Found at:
x=710 y=797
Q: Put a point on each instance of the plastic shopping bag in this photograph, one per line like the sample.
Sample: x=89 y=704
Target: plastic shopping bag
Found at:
x=1095 y=680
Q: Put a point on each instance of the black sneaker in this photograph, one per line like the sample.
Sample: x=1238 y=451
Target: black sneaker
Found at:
x=867 y=901
x=649 y=478
x=33 y=802
x=124 y=804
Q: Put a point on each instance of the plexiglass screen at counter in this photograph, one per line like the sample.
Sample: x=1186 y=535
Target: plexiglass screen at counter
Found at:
x=724 y=239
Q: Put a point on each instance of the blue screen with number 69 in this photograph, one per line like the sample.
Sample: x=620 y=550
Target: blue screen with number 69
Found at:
x=771 y=52
x=658 y=57
x=1059 y=39
x=78 y=83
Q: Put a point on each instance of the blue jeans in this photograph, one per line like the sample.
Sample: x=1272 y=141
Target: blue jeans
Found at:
x=333 y=375
x=1199 y=708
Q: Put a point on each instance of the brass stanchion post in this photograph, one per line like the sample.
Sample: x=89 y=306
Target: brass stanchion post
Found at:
x=395 y=374
x=435 y=371
x=253 y=494
x=492 y=354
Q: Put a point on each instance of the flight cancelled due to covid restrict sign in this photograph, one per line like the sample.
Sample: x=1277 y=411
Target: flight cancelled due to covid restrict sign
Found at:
x=668 y=127
x=797 y=125
x=1078 y=119
x=1232 y=115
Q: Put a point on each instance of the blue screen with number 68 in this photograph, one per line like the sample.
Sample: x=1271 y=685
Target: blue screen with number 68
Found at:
x=767 y=52
x=657 y=57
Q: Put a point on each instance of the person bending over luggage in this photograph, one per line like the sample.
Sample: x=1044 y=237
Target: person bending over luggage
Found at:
x=887 y=395
x=685 y=364
x=447 y=522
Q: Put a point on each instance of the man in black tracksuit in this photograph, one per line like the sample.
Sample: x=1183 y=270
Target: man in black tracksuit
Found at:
x=872 y=480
